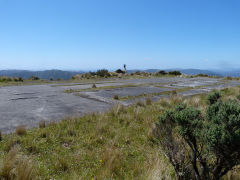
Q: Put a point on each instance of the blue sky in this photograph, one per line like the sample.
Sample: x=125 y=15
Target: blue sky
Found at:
x=92 y=34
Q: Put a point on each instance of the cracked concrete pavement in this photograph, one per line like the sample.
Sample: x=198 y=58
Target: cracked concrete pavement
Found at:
x=28 y=105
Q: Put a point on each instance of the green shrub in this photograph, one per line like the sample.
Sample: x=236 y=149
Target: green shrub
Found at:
x=175 y=73
x=138 y=73
x=35 y=78
x=162 y=72
x=10 y=79
x=120 y=71
x=92 y=73
x=213 y=97
x=228 y=78
x=202 y=75
x=102 y=73
x=238 y=97
x=201 y=146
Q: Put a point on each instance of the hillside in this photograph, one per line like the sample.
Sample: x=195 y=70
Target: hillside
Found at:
x=47 y=74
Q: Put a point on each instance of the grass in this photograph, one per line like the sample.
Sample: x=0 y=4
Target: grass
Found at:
x=42 y=124
x=21 y=130
x=113 y=145
x=168 y=92
x=99 y=88
x=80 y=81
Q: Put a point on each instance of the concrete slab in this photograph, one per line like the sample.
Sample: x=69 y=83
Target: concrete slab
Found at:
x=30 y=104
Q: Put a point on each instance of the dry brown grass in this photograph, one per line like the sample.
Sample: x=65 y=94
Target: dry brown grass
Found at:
x=173 y=93
x=158 y=170
x=21 y=130
x=8 y=164
x=42 y=124
x=15 y=166
x=140 y=103
x=25 y=170
x=115 y=97
x=52 y=123
x=117 y=109
x=148 y=101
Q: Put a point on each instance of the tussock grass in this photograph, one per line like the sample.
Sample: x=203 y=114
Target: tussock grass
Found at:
x=115 y=97
x=42 y=124
x=148 y=101
x=118 y=144
x=16 y=166
x=21 y=130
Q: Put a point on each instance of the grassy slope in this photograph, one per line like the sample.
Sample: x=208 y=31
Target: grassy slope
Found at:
x=114 y=145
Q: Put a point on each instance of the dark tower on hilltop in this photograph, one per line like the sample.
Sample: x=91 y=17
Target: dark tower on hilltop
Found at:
x=125 y=68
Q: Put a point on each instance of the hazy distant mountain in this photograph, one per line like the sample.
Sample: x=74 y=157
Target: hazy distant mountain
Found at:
x=233 y=73
x=200 y=71
x=47 y=74
x=56 y=74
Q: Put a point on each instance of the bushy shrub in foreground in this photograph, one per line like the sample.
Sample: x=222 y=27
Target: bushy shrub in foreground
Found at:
x=201 y=146
x=238 y=96
x=213 y=97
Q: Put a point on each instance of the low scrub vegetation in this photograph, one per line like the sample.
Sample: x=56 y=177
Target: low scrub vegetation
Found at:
x=175 y=73
x=123 y=143
x=34 y=78
x=103 y=73
x=11 y=79
x=201 y=146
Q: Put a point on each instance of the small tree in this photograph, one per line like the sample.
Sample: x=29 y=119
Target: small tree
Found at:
x=162 y=72
x=120 y=71
x=201 y=147
x=175 y=73
x=102 y=73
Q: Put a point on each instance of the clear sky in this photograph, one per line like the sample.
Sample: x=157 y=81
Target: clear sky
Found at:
x=92 y=34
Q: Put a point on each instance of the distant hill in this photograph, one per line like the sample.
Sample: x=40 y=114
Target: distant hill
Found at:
x=47 y=74
x=59 y=74
x=233 y=73
x=200 y=71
